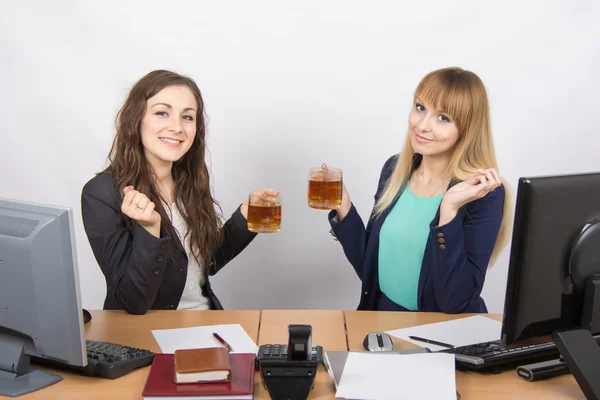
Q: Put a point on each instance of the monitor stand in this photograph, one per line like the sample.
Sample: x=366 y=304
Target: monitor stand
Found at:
x=16 y=376
x=582 y=355
x=578 y=347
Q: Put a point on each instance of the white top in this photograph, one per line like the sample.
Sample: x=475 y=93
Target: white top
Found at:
x=191 y=298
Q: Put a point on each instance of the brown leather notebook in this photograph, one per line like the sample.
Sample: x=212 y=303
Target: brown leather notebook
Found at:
x=202 y=365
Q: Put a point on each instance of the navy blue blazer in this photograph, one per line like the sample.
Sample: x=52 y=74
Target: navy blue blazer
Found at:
x=456 y=256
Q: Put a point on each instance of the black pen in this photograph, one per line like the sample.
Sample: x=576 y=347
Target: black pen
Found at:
x=420 y=339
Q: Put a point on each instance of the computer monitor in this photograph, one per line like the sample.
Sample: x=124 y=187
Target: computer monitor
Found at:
x=40 y=308
x=554 y=268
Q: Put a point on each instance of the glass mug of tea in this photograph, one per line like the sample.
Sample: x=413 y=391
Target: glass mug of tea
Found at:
x=325 y=188
x=264 y=212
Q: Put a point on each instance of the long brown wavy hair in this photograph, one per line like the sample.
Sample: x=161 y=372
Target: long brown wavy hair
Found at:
x=129 y=166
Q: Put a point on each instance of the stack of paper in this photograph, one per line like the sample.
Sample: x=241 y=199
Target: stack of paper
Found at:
x=458 y=332
x=200 y=337
x=408 y=376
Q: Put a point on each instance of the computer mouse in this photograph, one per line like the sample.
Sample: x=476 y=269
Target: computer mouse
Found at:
x=378 y=341
x=87 y=317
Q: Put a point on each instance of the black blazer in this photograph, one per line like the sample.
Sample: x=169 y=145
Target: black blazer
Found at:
x=140 y=274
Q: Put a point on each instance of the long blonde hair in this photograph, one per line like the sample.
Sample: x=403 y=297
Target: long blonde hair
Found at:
x=463 y=96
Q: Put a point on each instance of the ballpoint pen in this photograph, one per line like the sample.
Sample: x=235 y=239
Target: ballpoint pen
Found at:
x=222 y=341
x=420 y=339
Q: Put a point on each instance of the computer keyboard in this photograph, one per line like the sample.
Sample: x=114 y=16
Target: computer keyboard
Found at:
x=496 y=356
x=107 y=360
x=110 y=360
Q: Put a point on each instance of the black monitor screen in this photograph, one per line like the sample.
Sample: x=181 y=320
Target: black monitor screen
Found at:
x=550 y=214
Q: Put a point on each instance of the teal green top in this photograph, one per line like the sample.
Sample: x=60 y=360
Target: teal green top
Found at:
x=402 y=242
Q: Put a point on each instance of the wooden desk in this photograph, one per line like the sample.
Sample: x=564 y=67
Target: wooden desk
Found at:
x=471 y=385
x=327 y=331
x=135 y=330
x=271 y=327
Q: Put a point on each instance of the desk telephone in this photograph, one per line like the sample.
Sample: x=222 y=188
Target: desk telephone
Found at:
x=288 y=371
x=280 y=352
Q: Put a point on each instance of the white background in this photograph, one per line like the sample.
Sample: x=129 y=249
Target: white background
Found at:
x=288 y=85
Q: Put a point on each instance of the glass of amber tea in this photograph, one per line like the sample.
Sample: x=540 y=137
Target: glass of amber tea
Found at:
x=264 y=212
x=325 y=188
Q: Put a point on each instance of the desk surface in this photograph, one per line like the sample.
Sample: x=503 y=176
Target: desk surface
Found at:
x=334 y=330
x=135 y=330
x=471 y=385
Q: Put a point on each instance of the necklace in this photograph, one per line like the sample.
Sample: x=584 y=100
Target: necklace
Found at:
x=438 y=188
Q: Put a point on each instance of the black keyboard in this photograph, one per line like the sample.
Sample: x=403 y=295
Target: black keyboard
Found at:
x=107 y=360
x=495 y=356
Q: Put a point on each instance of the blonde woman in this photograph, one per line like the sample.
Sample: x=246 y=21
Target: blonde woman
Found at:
x=441 y=211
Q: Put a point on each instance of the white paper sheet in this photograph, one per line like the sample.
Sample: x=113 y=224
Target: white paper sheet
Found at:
x=200 y=337
x=458 y=332
x=397 y=377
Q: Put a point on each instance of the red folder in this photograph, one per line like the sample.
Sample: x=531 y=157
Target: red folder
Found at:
x=161 y=380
